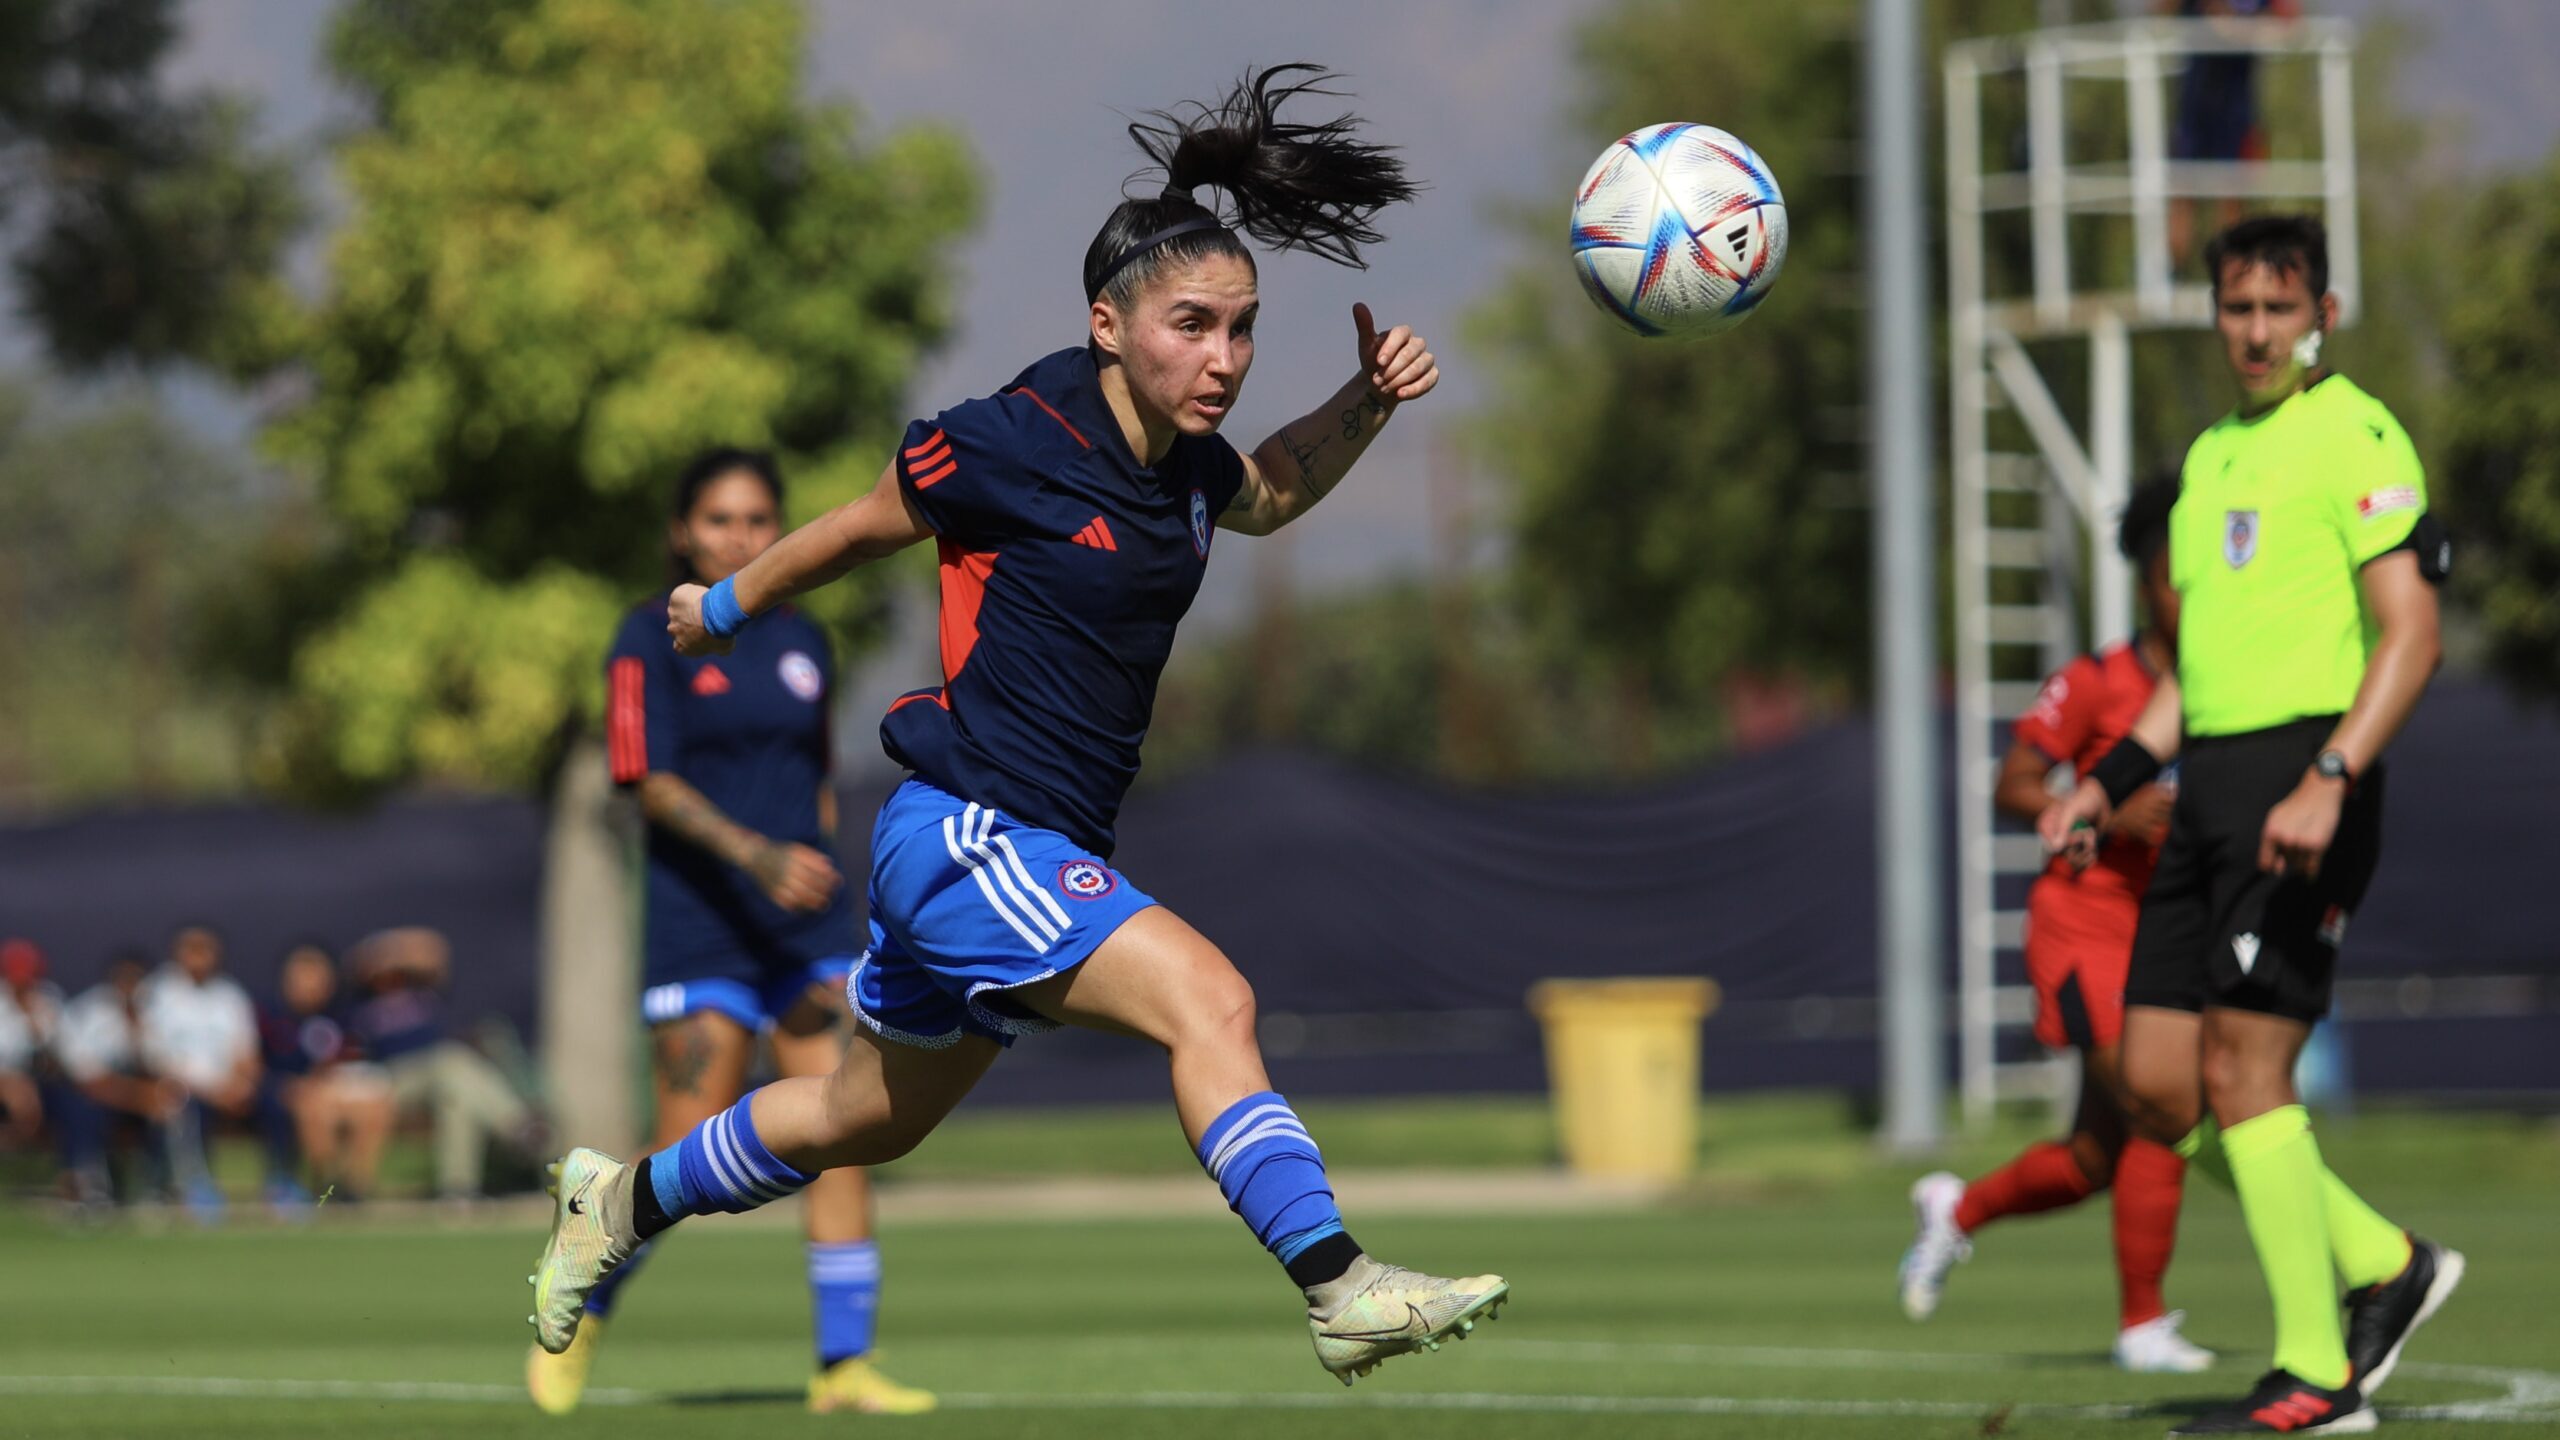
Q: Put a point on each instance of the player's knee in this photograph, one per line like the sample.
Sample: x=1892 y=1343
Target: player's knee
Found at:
x=2241 y=1086
x=2096 y=1157
x=1221 y=1012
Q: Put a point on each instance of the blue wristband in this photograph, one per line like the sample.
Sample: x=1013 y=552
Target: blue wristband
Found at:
x=722 y=615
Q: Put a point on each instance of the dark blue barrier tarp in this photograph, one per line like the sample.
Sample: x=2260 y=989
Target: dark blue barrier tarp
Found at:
x=1413 y=914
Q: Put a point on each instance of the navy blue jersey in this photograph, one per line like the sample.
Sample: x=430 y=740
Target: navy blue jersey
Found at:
x=749 y=730
x=1066 y=565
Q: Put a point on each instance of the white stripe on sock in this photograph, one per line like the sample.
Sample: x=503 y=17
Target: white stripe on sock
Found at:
x=707 y=1140
x=763 y=1185
x=1236 y=1133
x=1279 y=1130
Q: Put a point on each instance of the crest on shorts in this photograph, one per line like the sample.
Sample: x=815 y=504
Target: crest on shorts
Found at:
x=1086 y=880
x=2333 y=926
x=1200 y=522
x=2239 y=537
x=800 y=675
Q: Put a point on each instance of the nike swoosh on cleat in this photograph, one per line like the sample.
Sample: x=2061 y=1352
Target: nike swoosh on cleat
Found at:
x=1411 y=1310
x=577 y=1199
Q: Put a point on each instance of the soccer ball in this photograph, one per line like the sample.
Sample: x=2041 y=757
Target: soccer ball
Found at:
x=1679 y=229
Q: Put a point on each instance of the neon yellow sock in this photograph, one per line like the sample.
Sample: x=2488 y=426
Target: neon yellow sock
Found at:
x=2198 y=1150
x=2275 y=1165
x=2366 y=1247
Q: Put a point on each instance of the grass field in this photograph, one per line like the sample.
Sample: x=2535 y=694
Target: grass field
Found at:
x=1758 y=1304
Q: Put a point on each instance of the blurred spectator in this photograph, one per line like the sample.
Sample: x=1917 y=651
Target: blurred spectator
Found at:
x=2217 y=107
x=399 y=977
x=106 y=1086
x=200 y=1031
x=30 y=1013
x=338 y=1107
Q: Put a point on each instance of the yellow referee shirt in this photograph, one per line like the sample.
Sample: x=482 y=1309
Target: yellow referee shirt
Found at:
x=2276 y=515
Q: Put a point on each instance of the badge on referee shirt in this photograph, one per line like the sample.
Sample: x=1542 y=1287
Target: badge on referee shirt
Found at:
x=2239 y=536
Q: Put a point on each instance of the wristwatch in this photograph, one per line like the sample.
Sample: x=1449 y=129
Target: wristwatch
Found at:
x=2332 y=765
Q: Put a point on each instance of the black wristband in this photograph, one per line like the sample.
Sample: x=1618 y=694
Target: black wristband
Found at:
x=2125 y=769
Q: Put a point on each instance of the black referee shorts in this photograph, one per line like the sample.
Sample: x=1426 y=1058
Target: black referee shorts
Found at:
x=2218 y=932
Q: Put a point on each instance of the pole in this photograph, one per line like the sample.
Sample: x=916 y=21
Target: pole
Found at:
x=1903 y=450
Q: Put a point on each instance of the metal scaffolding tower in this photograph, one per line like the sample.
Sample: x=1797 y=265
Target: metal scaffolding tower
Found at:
x=2029 y=491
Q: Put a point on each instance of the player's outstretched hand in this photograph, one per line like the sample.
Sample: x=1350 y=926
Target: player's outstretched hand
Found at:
x=2069 y=826
x=684 y=623
x=1397 y=365
x=796 y=877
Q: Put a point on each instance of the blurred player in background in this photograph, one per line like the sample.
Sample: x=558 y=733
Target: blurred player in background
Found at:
x=749 y=930
x=1074 y=514
x=2306 y=567
x=2080 y=923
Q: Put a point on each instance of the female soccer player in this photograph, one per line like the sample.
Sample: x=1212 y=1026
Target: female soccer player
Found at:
x=1074 y=514
x=749 y=930
x=2080 y=923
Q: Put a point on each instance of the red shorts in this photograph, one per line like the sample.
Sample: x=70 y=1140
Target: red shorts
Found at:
x=2079 y=942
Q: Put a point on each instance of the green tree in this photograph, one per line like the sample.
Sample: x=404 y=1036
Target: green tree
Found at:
x=145 y=227
x=588 y=238
x=2502 y=417
x=117 y=533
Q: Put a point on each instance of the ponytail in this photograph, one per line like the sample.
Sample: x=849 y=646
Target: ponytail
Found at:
x=1292 y=186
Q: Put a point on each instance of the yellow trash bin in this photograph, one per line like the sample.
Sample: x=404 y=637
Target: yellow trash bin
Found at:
x=1622 y=1064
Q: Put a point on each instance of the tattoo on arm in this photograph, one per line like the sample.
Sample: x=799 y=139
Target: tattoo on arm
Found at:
x=1358 y=417
x=1304 y=452
x=680 y=808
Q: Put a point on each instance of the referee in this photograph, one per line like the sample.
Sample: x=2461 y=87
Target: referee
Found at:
x=2307 y=569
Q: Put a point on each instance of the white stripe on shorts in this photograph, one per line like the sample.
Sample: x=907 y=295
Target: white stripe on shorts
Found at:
x=1056 y=911
x=987 y=886
x=976 y=840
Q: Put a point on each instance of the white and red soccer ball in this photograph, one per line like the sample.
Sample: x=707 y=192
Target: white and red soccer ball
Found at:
x=1679 y=229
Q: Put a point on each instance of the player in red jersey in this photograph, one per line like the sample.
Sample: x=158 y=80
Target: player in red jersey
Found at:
x=2079 y=940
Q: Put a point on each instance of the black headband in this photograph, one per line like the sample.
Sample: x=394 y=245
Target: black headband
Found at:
x=1193 y=226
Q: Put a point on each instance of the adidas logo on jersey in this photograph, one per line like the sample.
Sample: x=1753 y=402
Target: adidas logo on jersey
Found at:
x=1097 y=534
x=709 y=681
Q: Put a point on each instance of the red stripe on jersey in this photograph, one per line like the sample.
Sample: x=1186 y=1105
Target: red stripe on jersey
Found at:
x=930 y=458
x=626 y=721
x=1054 y=415
x=936 y=696
x=964 y=589
x=929 y=442
x=932 y=478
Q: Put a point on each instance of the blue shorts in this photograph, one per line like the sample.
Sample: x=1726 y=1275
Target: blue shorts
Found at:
x=753 y=1006
x=968 y=903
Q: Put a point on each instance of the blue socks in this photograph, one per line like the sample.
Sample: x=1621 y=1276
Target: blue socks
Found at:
x=1268 y=1167
x=721 y=1166
x=844 y=1298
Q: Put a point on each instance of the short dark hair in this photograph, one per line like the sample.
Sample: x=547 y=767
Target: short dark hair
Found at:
x=2285 y=244
x=2144 y=530
x=697 y=475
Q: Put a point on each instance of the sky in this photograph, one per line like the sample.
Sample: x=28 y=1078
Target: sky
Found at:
x=1476 y=92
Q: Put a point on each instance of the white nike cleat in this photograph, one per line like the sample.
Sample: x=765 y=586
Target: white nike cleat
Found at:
x=1375 y=1312
x=1938 y=1247
x=591 y=1232
x=2155 y=1347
